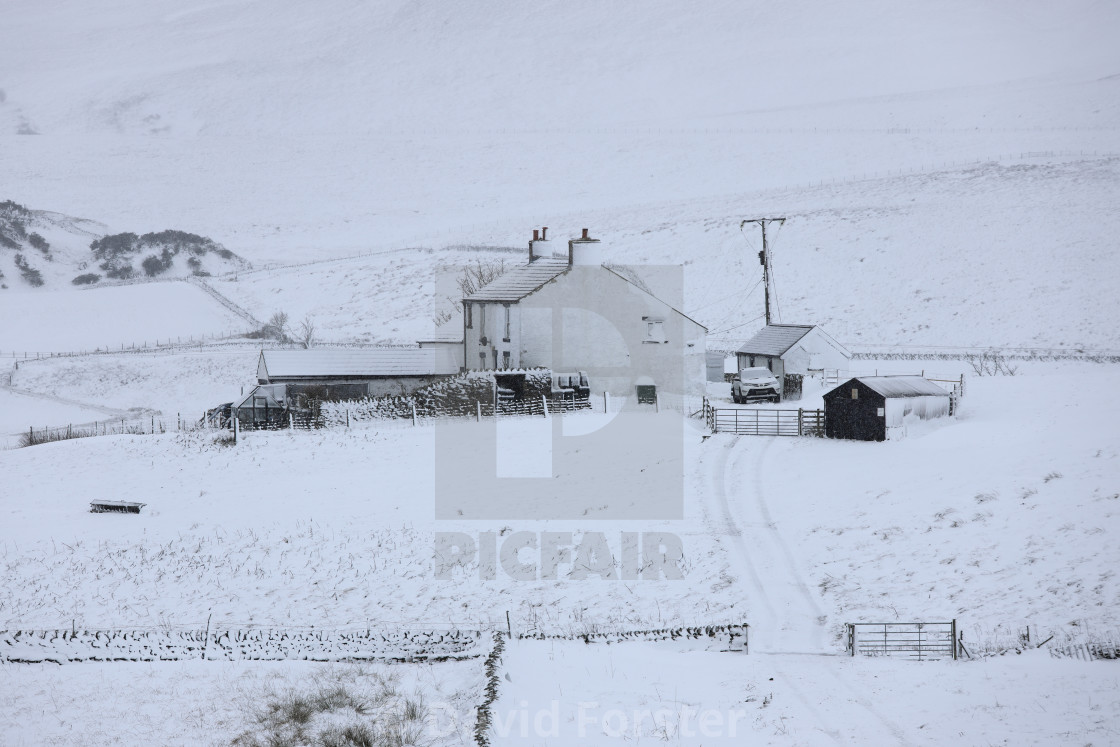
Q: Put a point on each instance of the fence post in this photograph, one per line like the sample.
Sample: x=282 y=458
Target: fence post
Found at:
x=292 y=420
x=413 y=413
x=347 y=417
x=606 y=402
x=953 y=633
x=477 y=411
x=800 y=417
x=544 y=401
x=236 y=428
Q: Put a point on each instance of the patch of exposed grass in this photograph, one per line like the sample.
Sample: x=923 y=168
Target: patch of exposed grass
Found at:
x=343 y=707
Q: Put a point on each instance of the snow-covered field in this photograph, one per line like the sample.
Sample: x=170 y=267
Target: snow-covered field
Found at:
x=179 y=380
x=646 y=694
x=979 y=519
x=213 y=703
x=109 y=318
x=949 y=173
x=235 y=527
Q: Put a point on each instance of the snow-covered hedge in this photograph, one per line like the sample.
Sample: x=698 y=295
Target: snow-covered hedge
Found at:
x=458 y=395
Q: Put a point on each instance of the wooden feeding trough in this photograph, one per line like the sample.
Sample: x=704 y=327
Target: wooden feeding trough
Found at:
x=115 y=507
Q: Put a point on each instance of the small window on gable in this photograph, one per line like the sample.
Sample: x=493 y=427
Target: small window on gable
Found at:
x=855 y=394
x=655 y=329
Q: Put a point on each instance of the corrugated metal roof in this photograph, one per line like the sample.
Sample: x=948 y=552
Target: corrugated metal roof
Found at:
x=775 y=339
x=520 y=281
x=286 y=364
x=901 y=386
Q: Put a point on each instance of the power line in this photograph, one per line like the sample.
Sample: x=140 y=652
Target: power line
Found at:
x=752 y=321
x=764 y=255
x=738 y=307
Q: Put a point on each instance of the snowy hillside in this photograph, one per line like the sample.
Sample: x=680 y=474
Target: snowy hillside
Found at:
x=285 y=134
x=923 y=259
x=948 y=173
x=39 y=248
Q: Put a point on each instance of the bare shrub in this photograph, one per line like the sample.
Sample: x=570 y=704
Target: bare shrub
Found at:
x=991 y=363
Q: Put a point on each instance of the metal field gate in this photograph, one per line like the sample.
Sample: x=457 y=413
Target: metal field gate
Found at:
x=750 y=421
x=920 y=641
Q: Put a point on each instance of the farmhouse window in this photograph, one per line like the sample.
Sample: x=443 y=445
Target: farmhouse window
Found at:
x=505 y=359
x=855 y=394
x=482 y=320
x=507 y=323
x=752 y=361
x=655 y=330
x=881 y=412
x=467 y=307
x=482 y=359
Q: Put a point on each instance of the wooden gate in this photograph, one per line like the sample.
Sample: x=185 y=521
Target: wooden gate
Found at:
x=921 y=641
x=750 y=421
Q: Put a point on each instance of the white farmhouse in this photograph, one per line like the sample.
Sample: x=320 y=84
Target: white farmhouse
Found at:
x=794 y=349
x=566 y=311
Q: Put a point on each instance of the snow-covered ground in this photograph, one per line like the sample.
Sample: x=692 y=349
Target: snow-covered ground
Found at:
x=649 y=694
x=912 y=539
x=178 y=380
x=110 y=318
x=213 y=703
x=949 y=173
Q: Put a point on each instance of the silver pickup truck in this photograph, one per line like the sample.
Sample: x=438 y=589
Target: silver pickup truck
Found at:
x=755 y=385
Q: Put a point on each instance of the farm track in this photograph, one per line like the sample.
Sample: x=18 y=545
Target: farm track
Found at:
x=785 y=618
x=111 y=411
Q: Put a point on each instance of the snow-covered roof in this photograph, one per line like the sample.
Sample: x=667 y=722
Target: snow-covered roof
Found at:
x=360 y=363
x=900 y=386
x=775 y=339
x=520 y=281
x=628 y=274
x=272 y=394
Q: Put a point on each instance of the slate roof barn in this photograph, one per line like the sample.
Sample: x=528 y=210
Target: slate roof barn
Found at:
x=353 y=373
x=793 y=349
x=869 y=408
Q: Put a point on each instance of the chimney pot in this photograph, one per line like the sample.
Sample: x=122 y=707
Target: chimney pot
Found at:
x=536 y=234
x=584 y=233
x=544 y=232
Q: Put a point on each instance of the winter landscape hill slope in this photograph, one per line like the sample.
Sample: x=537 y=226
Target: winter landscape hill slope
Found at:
x=286 y=134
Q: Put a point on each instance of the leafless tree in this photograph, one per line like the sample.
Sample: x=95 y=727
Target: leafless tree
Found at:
x=277 y=327
x=479 y=274
x=306 y=334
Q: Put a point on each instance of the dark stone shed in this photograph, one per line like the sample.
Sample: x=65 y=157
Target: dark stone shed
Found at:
x=867 y=408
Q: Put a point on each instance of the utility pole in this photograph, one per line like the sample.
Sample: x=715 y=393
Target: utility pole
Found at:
x=764 y=256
